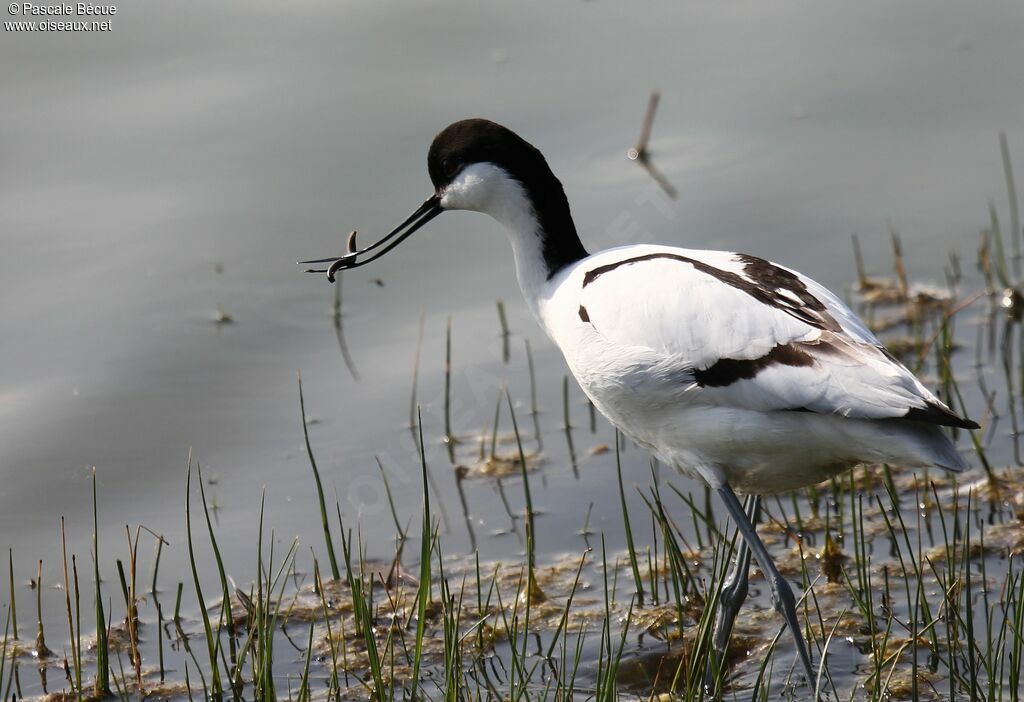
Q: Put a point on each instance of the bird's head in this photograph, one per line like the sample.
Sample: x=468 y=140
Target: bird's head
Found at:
x=476 y=164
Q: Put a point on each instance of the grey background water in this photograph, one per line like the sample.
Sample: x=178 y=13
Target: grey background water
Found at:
x=134 y=163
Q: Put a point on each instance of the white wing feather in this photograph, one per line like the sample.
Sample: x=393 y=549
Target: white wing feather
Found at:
x=690 y=320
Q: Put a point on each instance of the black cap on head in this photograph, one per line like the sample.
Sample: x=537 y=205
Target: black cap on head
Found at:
x=482 y=141
x=470 y=141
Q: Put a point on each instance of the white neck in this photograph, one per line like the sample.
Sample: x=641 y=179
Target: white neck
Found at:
x=487 y=188
x=524 y=233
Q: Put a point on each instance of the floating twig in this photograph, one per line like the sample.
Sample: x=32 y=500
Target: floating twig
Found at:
x=642 y=155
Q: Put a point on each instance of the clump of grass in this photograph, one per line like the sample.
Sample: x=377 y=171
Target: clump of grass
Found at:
x=212 y=641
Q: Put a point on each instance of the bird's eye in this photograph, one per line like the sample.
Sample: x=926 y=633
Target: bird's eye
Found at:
x=451 y=167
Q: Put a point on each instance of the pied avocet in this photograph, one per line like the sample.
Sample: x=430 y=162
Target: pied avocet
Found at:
x=729 y=368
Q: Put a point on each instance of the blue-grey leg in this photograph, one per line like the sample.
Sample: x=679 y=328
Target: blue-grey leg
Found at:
x=782 y=593
x=734 y=586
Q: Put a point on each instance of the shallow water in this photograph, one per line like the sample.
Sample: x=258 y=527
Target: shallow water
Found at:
x=178 y=165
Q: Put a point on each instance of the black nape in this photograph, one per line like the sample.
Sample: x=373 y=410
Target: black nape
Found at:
x=482 y=141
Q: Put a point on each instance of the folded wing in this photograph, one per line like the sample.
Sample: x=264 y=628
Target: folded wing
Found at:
x=735 y=330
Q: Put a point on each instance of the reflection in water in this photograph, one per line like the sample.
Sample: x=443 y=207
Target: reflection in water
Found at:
x=534 y=410
x=502 y=319
x=499 y=485
x=449 y=438
x=640 y=153
x=395 y=571
x=567 y=427
x=460 y=476
x=416 y=377
x=339 y=331
x=585 y=531
x=440 y=501
x=402 y=532
x=1008 y=361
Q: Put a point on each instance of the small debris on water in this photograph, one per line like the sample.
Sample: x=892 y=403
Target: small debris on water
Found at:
x=1013 y=302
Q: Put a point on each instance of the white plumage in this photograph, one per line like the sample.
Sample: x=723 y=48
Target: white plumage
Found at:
x=639 y=334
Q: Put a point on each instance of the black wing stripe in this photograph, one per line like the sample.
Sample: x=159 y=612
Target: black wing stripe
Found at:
x=764 y=284
x=934 y=413
x=726 y=371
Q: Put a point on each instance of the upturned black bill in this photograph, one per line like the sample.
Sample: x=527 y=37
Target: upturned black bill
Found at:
x=423 y=214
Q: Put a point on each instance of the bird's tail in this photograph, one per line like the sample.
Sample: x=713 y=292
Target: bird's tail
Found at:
x=932 y=446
